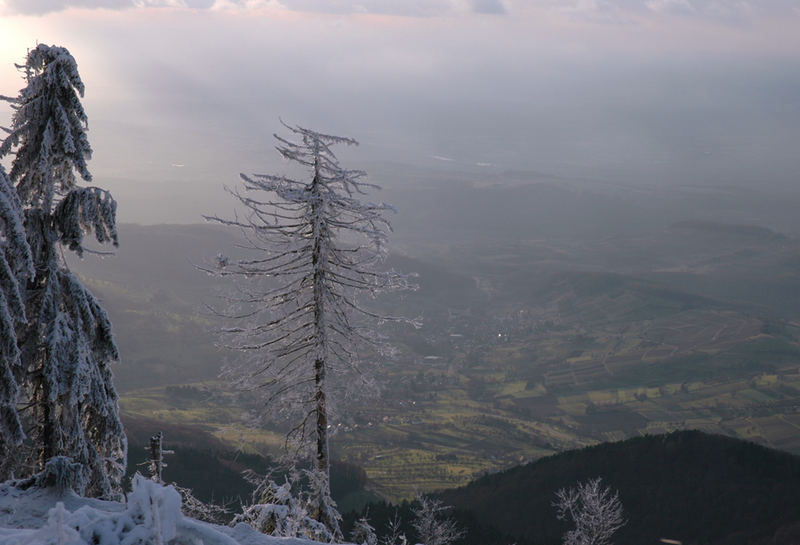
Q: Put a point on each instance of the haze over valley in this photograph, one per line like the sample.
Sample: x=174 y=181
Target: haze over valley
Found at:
x=555 y=316
x=596 y=202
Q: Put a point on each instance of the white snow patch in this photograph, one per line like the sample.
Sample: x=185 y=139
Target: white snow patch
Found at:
x=152 y=514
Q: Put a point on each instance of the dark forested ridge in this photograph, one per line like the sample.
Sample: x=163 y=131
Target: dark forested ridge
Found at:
x=688 y=486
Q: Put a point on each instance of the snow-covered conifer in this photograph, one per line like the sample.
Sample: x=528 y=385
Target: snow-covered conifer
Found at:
x=66 y=345
x=48 y=129
x=15 y=269
x=314 y=247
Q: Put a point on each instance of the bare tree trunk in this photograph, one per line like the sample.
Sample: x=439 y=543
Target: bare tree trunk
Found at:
x=323 y=463
x=44 y=411
x=320 y=400
x=157 y=457
x=47 y=447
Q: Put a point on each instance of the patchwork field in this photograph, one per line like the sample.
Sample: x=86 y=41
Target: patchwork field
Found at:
x=435 y=437
x=527 y=348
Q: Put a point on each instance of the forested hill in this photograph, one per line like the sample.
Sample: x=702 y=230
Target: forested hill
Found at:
x=687 y=486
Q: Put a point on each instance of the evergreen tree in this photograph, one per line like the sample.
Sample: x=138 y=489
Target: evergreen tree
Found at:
x=66 y=345
x=15 y=268
x=315 y=246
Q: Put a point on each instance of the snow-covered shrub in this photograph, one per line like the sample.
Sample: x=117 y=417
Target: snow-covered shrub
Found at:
x=394 y=533
x=151 y=516
x=320 y=504
x=280 y=511
x=156 y=507
x=363 y=533
x=432 y=528
x=275 y=510
x=195 y=508
x=57 y=531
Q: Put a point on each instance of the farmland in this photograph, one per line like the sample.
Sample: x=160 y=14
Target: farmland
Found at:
x=501 y=374
x=534 y=342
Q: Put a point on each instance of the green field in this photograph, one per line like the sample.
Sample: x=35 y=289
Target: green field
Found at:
x=452 y=431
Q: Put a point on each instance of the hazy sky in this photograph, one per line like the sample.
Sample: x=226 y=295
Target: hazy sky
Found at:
x=182 y=95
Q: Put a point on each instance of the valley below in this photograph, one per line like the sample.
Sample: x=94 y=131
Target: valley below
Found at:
x=530 y=346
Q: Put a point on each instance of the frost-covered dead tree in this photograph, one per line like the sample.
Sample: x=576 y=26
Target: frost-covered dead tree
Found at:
x=595 y=511
x=432 y=527
x=16 y=267
x=66 y=345
x=314 y=247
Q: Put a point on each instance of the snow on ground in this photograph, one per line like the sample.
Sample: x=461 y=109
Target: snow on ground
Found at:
x=151 y=516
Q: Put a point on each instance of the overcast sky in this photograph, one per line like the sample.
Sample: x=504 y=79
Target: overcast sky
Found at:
x=182 y=95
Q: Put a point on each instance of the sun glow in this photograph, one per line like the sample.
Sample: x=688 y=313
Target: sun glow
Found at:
x=11 y=51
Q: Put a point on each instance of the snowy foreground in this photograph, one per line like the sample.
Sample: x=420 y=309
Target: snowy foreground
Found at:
x=152 y=515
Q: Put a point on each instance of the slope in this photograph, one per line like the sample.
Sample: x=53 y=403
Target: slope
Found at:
x=688 y=486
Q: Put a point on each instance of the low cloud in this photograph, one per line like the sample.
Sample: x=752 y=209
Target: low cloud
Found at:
x=626 y=11
x=40 y=7
x=488 y=6
x=599 y=11
x=670 y=6
x=405 y=8
x=595 y=11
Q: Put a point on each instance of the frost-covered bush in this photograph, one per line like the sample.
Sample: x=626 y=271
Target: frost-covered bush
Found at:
x=432 y=527
x=394 y=533
x=596 y=512
x=320 y=503
x=283 y=511
x=152 y=516
x=363 y=533
x=155 y=510
x=57 y=531
x=196 y=508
